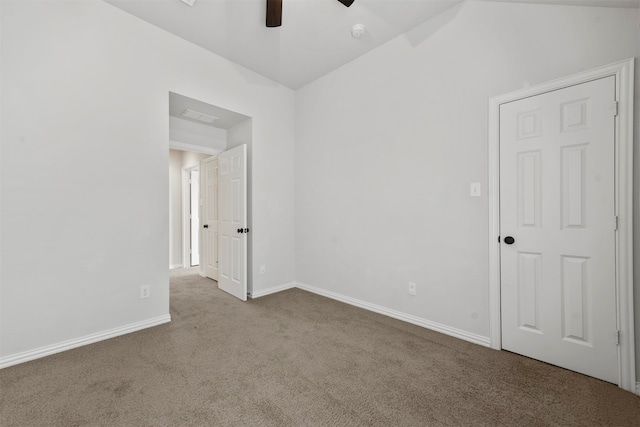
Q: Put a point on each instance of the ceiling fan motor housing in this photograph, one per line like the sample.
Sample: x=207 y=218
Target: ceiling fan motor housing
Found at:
x=274 y=11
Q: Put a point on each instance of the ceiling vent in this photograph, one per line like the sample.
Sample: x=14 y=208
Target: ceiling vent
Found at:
x=201 y=117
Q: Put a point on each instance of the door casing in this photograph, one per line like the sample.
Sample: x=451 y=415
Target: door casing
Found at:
x=624 y=73
x=186 y=212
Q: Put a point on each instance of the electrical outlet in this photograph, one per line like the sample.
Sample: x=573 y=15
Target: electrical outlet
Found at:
x=263 y=269
x=412 y=288
x=145 y=291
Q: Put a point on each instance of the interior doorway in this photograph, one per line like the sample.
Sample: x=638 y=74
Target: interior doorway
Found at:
x=200 y=131
x=558 y=244
x=191 y=216
x=184 y=208
x=568 y=311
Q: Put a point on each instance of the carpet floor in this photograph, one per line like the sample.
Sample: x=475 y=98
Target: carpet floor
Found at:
x=297 y=359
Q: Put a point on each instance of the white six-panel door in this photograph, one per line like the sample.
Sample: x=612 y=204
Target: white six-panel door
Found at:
x=232 y=221
x=558 y=295
x=209 y=219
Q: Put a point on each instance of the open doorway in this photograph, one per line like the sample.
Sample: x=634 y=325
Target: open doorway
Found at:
x=184 y=188
x=192 y=225
x=200 y=131
x=191 y=215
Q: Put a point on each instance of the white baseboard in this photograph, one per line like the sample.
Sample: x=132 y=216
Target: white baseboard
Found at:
x=428 y=324
x=273 y=290
x=26 y=356
x=89 y=339
x=174 y=266
x=638 y=388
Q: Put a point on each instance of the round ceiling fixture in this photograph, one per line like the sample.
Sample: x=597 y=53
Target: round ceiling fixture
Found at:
x=358 y=31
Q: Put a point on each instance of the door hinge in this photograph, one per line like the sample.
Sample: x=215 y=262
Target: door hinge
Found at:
x=615 y=222
x=615 y=108
x=617 y=337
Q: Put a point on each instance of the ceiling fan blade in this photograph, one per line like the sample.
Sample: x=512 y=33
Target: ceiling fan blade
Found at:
x=274 y=13
x=346 y=2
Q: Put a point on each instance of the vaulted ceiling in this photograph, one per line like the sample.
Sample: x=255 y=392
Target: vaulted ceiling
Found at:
x=315 y=36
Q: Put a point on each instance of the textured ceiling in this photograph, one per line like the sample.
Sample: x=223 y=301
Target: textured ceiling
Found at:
x=315 y=36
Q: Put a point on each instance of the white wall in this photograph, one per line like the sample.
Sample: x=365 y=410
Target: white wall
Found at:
x=190 y=158
x=387 y=145
x=82 y=83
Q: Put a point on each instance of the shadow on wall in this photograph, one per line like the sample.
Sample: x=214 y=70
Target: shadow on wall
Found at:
x=418 y=34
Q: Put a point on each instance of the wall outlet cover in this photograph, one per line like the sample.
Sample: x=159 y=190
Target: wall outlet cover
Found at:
x=412 y=288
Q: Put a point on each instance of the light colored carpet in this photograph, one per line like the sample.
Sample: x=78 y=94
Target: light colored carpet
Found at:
x=297 y=359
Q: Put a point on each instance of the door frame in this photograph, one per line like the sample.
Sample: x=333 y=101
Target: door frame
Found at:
x=199 y=149
x=186 y=212
x=623 y=181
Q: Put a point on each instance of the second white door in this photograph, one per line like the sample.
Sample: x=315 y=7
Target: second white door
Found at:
x=209 y=217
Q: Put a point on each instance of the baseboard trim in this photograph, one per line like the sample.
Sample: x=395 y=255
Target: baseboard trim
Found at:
x=174 y=266
x=38 y=353
x=101 y=336
x=273 y=290
x=638 y=388
x=428 y=324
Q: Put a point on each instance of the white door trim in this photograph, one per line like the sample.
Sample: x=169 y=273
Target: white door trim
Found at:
x=186 y=211
x=624 y=73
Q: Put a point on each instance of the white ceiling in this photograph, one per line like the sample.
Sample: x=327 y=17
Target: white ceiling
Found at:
x=315 y=36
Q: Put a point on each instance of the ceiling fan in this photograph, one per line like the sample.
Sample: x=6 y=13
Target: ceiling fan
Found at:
x=274 y=11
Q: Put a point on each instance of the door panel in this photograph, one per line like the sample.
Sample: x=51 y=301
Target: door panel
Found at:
x=233 y=218
x=558 y=296
x=529 y=273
